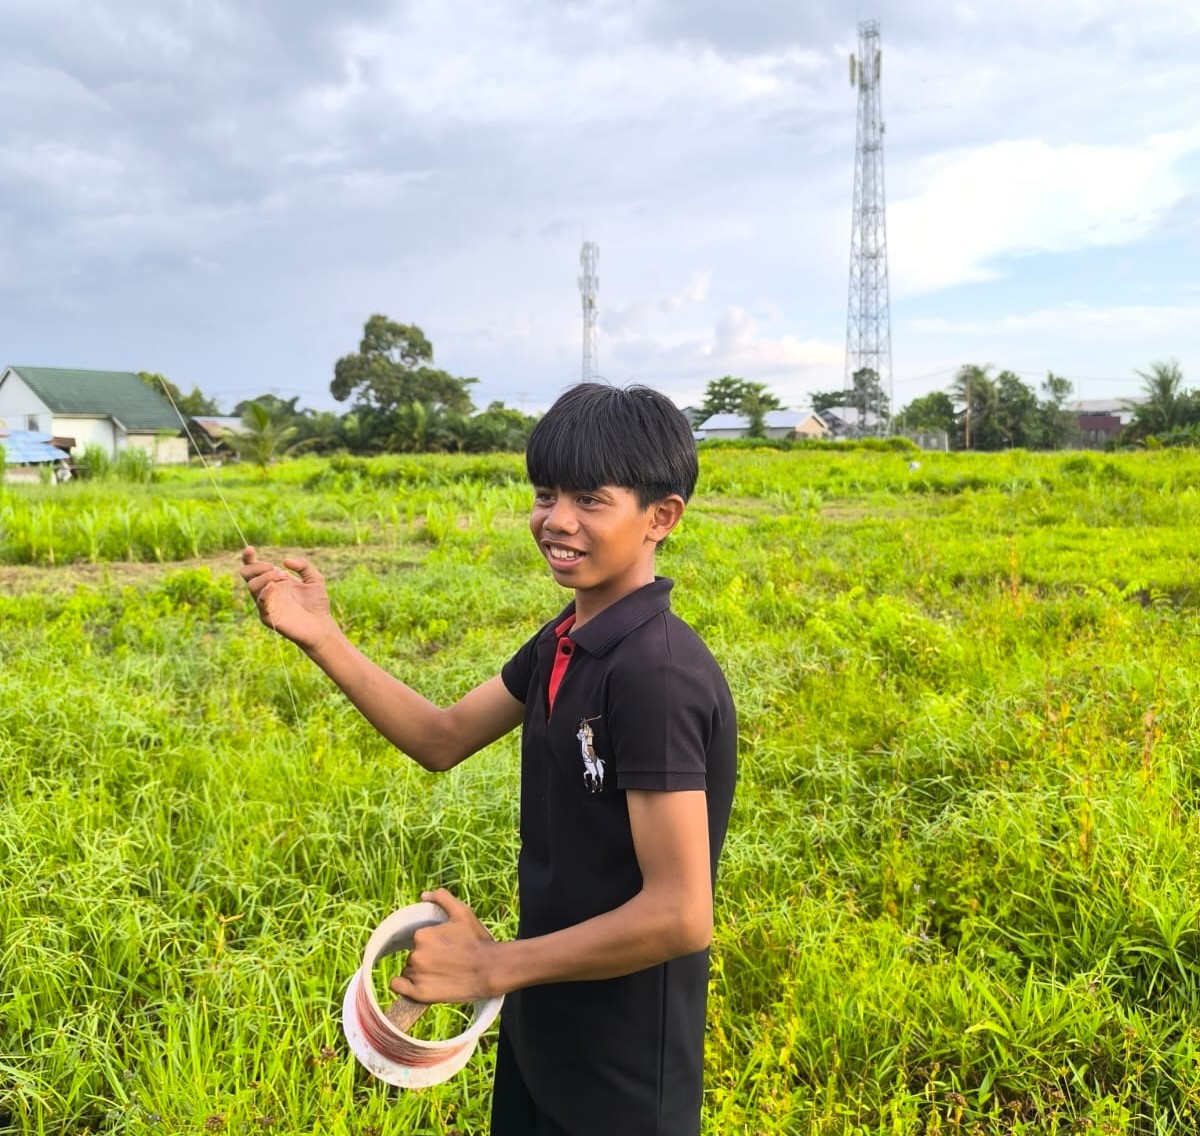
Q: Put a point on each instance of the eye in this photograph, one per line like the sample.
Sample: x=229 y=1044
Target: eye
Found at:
x=587 y=499
x=543 y=496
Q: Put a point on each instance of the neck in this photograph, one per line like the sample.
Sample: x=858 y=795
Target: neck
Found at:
x=588 y=606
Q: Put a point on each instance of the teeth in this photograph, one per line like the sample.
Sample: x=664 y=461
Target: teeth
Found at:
x=563 y=553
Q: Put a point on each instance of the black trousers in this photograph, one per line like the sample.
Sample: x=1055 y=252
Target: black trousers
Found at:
x=513 y=1110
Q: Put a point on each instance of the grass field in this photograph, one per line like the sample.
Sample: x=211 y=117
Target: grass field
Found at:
x=961 y=890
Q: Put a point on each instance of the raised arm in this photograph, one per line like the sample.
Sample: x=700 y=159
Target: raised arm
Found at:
x=292 y=600
x=671 y=916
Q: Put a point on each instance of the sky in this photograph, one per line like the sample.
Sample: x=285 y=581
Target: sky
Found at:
x=223 y=191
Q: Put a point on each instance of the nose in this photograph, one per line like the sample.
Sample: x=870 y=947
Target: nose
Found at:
x=561 y=516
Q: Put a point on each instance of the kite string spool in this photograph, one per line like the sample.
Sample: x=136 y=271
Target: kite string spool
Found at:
x=377 y=1041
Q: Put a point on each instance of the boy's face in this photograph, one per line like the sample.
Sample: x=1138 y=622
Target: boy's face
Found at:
x=600 y=542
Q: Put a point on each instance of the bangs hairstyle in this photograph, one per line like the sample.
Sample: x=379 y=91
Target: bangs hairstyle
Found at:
x=632 y=437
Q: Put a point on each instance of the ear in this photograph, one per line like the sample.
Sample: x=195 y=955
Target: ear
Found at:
x=664 y=516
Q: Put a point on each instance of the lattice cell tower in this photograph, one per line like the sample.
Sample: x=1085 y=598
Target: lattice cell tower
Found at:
x=589 y=286
x=868 y=317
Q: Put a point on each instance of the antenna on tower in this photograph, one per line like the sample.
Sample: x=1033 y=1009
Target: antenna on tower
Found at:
x=589 y=286
x=868 y=314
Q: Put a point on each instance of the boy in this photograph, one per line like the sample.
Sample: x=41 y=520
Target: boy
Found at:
x=628 y=757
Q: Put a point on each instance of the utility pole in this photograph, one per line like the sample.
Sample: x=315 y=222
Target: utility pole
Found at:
x=589 y=286
x=967 y=419
x=868 y=313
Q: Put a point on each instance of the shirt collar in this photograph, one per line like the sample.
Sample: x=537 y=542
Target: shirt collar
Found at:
x=603 y=632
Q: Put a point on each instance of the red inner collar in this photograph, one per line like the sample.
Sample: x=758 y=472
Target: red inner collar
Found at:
x=564 y=649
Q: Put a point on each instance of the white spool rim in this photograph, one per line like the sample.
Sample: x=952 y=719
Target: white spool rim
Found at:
x=395 y=934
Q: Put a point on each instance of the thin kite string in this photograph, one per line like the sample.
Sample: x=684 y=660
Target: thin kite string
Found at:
x=241 y=536
x=207 y=469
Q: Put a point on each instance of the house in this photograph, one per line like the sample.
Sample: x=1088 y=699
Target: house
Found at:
x=776 y=423
x=1101 y=420
x=850 y=422
x=26 y=452
x=111 y=409
x=211 y=433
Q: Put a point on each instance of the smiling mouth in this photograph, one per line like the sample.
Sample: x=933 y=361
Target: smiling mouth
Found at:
x=561 y=552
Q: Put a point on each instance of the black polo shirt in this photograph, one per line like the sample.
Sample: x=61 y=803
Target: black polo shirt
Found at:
x=642 y=704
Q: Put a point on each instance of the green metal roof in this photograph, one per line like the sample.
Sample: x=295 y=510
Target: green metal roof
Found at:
x=119 y=394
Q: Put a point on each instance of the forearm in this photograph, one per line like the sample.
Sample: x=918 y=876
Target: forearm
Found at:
x=647 y=930
x=292 y=601
x=430 y=735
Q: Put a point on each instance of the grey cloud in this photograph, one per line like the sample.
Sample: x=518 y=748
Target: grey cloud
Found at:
x=224 y=188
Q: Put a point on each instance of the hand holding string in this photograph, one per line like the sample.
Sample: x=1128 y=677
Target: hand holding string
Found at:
x=291 y=599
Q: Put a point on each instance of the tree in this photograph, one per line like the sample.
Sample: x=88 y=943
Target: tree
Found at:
x=975 y=391
x=280 y=409
x=498 y=428
x=867 y=396
x=727 y=395
x=266 y=437
x=827 y=400
x=189 y=405
x=1016 y=416
x=754 y=407
x=1166 y=405
x=933 y=412
x=393 y=368
x=412 y=427
x=1057 y=425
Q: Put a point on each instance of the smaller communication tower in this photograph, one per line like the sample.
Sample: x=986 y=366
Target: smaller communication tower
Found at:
x=589 y=286
x=868 y=316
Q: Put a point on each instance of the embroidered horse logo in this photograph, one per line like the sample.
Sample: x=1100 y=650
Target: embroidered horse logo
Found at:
x=593 y=766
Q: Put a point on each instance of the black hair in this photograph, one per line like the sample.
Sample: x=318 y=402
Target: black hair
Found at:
x=632 y=437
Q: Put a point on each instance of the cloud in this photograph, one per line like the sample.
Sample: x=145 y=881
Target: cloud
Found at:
x=737 y=344
x=1011 y=199
x=221 y=188
x=1115 y=322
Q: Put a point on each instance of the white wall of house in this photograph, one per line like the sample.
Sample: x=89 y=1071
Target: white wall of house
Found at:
x=164 y=451
x=87 y=431
x=20 y=408
x=112 y=437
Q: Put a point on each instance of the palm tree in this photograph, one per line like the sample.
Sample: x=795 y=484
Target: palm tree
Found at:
x=1165 y=405
x=975 y=389
x=409 y=424
x=266 y=438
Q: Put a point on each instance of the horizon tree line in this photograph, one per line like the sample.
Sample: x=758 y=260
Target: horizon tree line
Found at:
x=399 y=402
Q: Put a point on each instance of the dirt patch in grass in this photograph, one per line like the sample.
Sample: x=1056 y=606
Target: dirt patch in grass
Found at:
x=841 y=511
x=733 y=510
x=20 y=578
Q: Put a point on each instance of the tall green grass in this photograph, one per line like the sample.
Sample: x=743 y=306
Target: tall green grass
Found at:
x=960 y=891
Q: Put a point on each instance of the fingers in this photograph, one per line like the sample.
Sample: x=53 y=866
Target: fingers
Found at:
x=447 y=962
x=447 y=902
x=258 y=573
x=404 y=987
x=304 y=569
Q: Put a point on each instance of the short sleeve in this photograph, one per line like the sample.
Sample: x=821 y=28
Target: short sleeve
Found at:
x=660 y=718
x=517 y=673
